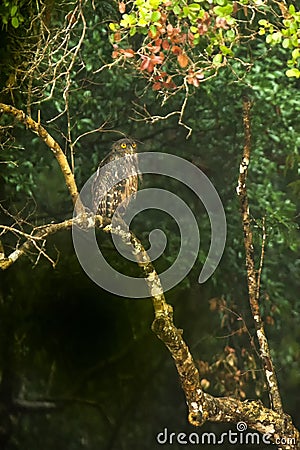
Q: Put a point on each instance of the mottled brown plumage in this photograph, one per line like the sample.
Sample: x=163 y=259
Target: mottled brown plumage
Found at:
x=127 y=168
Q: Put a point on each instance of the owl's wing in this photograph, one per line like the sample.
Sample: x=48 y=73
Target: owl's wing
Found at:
x=105 y=203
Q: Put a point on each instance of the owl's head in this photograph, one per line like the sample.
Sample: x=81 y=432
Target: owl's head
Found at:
x=124 y=146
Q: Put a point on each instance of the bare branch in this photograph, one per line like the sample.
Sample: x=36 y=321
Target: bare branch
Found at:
x=31 y=406
x=147 y=117
x=54 y=147
x=253 y=283
x=42 y=232
x=37 y=234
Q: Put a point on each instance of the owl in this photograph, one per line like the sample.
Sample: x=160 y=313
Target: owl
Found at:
x=127 y=169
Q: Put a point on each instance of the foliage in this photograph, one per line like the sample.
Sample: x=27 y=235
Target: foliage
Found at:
x=71 y=340
x=12 y=13
x=178 y=42
x=286 y=32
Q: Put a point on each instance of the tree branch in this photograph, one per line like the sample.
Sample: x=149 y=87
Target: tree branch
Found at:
x=252 y=278
x=42 y=232
x=38 y=233
x=54 y=147
x=31 y=406
x=203 y=407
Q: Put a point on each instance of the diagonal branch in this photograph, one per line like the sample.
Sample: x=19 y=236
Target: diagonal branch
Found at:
x=252 y=278
x=41 y=233
x=202 y=407
x=38 y=233
x=276 y=426
x=61 y=158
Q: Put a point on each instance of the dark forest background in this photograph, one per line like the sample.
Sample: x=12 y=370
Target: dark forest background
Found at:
x=62 y=338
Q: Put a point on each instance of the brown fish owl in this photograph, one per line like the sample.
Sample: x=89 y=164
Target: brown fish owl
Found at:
x=126 y=170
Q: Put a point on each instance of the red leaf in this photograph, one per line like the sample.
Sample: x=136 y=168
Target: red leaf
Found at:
x=183 y=60
x=153 y=48
x=156 y=86
x=128 y=52
x=150 y=67
x=176 y=50
x=117 y=36
x=122 y=7
x=145 y=63
x=169 y=28
x=165 y=44
x=170 y=85
x=157 y=59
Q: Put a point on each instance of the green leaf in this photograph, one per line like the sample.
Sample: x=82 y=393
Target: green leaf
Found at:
x=194 y=7
x=113 y=26
x=13 y=10
x=153 y=29
x=142 y=22
x=269 y=39
x=125 y=21
x=155 y=4
x=277 y=37
x=263 y=23
x=155 y=16
x=225 y=50
x=217 y=59
x=286 y=23
x=186 y=10
x=290 y=73
x=230 y=34
x=177 y=10
x=128 y=20
x=192 y=16
x=296 y=53
x=15 y=22
x=223 y=11
x=292 y=9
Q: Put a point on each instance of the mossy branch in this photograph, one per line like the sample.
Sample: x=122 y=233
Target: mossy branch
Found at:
x=61 y=158
x=253 y=278
x=203 y=407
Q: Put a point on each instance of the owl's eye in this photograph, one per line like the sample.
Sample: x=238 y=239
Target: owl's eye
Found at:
x=123 y=145
x=133 y=145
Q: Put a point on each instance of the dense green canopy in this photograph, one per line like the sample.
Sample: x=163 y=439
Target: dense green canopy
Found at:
x=62 y=338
